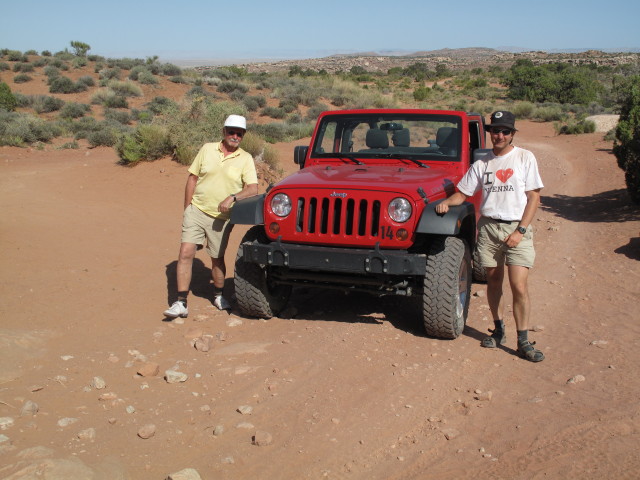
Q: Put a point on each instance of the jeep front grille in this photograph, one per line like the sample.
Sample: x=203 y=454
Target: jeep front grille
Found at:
x=348 y=217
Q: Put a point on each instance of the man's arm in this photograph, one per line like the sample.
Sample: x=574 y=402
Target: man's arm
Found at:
x=189 y=188
x=533 y=201
x=456 y=199
x=247 y=191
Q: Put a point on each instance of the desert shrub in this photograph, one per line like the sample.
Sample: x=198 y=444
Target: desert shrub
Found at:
x=20 y=129
x=523 y=109
x=105 y=137
x=8 y=100
x=420 y=94
x=109 y=74
x=16 y=56
x=41 y=62
x=23 y=67
x=95 y=58
x=231 y=86
x=73 y=145
x=147 y=142
x=551 y=113
x=147 y=78
x=65 y=85
x=22 y=78
x=45 y=103
x=199 y=91
x=79 y=62
x=170 y=70
x=45 y=53
x=125 y=89
x=51 y=72
x=74 y=110
x=64 y=55
x=575 y=127
x=236 y=96
x=288 y=105
x=273 y=112
x=283 y=132
x=116 y=101
x=4 y=66
x=626 y=147
x=118 y=116
x=178 y=79
x=22 y=101
x=315 y=110
x=124 y=63
x=87 y=80
x=136 y=71
x=158 y=104
x=251 y=103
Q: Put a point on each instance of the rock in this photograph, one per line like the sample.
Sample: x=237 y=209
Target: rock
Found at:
x=131 y=409
x=200 y=318
x=480 y=294
x=65 y=422
x=203 y=344
x=599 y=343
x=484 y=396
x=29 y=408
x=228 y=460
x=98 y=383
x=105 y=397
x=234 y=322
x=6 y=422
x=185 y=474
x=4 y=439
x=450 y=433
x=245 y=425
x=147 y=431
x=576 y=379
x=149 y=369
x=87 y=434
x=218 y=430
x=537 y=328
x=172 y=376
x=245 y=409
x=262 y=439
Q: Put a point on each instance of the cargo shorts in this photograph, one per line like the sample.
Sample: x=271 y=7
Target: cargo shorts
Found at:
x=492 y=251
x=197 y=227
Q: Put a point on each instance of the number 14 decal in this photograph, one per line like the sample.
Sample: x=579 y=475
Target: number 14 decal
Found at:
x=386 y=232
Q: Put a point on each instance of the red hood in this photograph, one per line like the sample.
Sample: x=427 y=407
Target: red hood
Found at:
x=378 y=178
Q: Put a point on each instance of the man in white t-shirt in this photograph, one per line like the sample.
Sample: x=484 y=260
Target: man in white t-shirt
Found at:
x=510 y=183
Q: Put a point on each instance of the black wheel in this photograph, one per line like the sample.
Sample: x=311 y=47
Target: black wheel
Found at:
x=447 y=288
x=256 y=295
x=479 y=273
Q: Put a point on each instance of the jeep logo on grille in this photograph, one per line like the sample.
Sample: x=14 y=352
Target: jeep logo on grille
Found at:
x=336 y=194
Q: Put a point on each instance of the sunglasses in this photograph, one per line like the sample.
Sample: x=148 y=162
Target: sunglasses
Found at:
x=503 y=131
x=239 y=133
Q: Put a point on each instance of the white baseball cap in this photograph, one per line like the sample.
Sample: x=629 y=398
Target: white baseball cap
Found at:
x=237 y=121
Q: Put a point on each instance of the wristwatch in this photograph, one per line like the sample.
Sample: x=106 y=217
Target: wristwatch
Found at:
x=522 y=230
x=234 y=197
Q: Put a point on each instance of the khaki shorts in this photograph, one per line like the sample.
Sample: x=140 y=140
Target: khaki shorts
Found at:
x=492 y=251
x=197 y=227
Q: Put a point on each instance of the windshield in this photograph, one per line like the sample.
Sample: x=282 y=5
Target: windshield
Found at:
x=371 y=136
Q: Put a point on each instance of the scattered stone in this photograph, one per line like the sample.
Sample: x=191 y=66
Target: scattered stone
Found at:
x=537 y=328
x=98 y=383
x=3 y=439
x=245 y=409
x=242 y=370
x=172 y=376
x=599 y=343
x=450 y=433
x=65 y=422
x=147 y=431
x=113 y=359
x=87 y=434
x=185 y=474
x=112 y=421
x=480 y=294
x=221 y=336
x=484 y=396
x=60 y=379
x=335 y=421
x=576 y=379
x=262 y=439
x=234 y=322
x=245 y=425
x=218 y=430
x=105 y=397
x=203 y=344
x=200 y=318
x=178 y=321
x=228 y=460
x=66 y=357
x=131 y=409
x=554 y=228
x=29 y=408
x=6 y=422
x=36 y=388
x=149 y=369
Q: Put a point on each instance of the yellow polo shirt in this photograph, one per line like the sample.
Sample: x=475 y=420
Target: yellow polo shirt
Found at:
x=220 y=176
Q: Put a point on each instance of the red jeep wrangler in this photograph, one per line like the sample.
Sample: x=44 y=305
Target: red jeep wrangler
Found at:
x=359 y=215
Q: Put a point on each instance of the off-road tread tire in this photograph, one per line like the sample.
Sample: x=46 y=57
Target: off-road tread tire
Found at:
x=479 y=272
x=441 y=287
x=253 y=295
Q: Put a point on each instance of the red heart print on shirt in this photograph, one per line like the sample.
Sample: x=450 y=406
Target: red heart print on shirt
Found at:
x=504 y=175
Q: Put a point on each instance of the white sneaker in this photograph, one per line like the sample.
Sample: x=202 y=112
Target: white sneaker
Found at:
x=178 y=309
x=221 y=303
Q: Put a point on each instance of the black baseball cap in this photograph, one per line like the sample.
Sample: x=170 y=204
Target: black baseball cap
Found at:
x=502 y=118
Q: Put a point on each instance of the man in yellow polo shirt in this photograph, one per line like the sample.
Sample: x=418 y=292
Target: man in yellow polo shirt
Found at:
x=221 y=174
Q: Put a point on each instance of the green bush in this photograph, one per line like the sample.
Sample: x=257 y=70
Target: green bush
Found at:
x=420 y=94
x=147 y=142
x=7 y=99
x=86 y=80
x=147 y=78
x=552 y=113
x=281 y=132
x=523 y=109
x=45 y=103
x=65 y=85
x=74 y=110
x=105 y=137
x=231 y=86
x=158 y=104
x=19 y=129
x=170 y=70
x=79 y=62
x=273 y=112
x=626 y=147
x=178 y=79
x=116 y=101
x=125 y=89
x=22 y=78
x=23 y=67
x=575 y=128
x=4 y=66
x=118 y=116
x=51 y=72
x=107 y=74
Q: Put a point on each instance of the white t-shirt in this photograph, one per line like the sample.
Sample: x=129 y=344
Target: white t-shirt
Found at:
x=504 y=181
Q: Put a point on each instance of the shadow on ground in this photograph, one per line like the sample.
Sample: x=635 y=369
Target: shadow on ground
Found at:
x=611 y=206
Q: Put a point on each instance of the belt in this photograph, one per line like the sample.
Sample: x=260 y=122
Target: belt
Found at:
x=499 y=220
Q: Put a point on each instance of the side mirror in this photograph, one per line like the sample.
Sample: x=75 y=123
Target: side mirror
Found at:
x=300 y=155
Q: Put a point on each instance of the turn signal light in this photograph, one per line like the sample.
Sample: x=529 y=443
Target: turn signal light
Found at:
x=274 y=228
x=402 y=234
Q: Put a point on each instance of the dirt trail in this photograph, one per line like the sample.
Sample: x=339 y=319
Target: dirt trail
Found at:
x=347 y=386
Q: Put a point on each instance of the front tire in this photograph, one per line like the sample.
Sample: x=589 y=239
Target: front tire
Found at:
x=447 y=287
x=256 y=294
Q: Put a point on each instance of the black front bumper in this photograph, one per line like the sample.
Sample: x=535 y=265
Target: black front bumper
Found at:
x=333 y=259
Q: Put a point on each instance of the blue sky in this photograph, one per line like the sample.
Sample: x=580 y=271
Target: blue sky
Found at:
x=251 y=29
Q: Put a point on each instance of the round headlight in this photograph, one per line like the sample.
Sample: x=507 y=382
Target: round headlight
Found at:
x=399 y=210
x=281 y=204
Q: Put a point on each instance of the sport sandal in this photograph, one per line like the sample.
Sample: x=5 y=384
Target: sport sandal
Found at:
x=527 y=351
x=496 y=338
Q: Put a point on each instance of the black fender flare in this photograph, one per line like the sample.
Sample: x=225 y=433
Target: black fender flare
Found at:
x=450 y=223
x=248 y=211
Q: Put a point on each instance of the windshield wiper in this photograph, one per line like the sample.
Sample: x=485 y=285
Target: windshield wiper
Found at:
x=350 y=157
x=401 y=156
